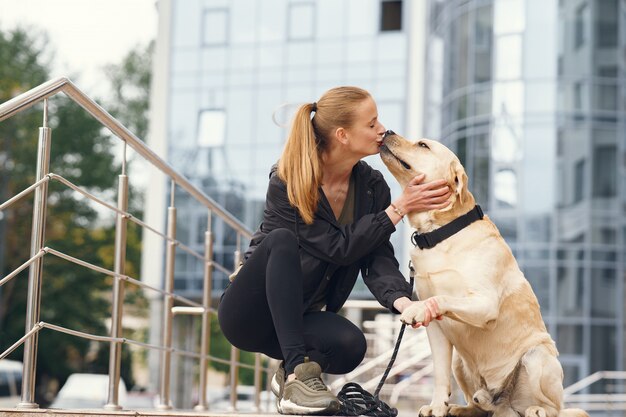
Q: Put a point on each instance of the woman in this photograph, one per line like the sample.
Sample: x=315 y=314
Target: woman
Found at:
x=328 y=215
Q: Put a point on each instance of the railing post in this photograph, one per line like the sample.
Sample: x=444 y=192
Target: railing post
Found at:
x=170 y=257
x=35 y=271
x=206 y=315
x=257 y=382
x=115 y=354
x=234 y=352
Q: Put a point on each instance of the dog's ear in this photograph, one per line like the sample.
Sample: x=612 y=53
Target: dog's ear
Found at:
x=458 y=181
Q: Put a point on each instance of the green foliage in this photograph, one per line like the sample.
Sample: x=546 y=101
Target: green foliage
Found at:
x=82 y=151
x=131 y=89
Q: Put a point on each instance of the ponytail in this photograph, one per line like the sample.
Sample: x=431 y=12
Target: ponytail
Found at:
x=300 y=165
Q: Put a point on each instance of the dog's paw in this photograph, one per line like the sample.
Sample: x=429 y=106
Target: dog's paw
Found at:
x=413 y=314
x=466 y=411
x=434 y=410
x=535 y=411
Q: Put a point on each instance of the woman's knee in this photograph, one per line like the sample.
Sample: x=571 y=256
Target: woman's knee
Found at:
x=281 y=240
x=282 y=236
x=356 y=345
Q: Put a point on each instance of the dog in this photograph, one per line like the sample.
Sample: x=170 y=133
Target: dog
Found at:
x=491 y=334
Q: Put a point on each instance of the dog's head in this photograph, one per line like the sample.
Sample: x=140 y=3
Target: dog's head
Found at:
x=406 y=159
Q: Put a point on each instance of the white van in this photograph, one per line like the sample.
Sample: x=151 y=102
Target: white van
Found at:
x=10 y=383
x=87 y=391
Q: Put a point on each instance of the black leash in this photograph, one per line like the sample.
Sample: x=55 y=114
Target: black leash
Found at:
x=355 y=401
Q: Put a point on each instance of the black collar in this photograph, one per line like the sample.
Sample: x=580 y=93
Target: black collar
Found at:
x=429 y=240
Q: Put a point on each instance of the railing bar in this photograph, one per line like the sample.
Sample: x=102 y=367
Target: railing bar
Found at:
x=26 y=191
x=222 y=268
x=86 y=194
x=81 y=334
x=79 y=261
x=99 y=338
x=129 y=216
x=163 y=292
x=22 y=339
x=37 y=327
x=189 y=250
x=22 y=267
x=113 y=274
x=31 y=97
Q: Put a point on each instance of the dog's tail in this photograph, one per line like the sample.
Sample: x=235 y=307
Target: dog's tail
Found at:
x=573 y=412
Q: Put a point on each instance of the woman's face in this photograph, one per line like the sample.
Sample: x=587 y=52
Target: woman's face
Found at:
x=364 y=137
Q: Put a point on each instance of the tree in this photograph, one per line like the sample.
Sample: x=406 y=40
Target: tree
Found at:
x=72 y=296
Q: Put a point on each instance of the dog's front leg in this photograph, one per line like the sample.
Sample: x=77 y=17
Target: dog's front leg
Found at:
x=441 y=350
x=476 y=310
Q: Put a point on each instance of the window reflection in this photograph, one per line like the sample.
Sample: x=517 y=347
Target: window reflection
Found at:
x=215 y=27
x=301 y=24
x=390 y=15
x=570 y=286
x=505 y=188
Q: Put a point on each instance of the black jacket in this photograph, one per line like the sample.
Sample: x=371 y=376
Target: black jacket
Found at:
x=335 y=252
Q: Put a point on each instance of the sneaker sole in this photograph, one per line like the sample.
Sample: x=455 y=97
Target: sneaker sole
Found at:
x=275 y=386
x=288 y=407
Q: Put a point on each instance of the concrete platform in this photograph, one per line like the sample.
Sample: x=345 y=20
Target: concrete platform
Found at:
x=12 y=412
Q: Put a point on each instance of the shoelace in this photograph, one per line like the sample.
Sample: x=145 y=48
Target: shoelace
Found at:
x=315 y=384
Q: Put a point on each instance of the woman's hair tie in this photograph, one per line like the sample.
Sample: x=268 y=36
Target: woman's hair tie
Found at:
x=314 y=106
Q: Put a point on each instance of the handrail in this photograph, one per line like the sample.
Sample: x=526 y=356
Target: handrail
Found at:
x=41 y=93
x=63 y=84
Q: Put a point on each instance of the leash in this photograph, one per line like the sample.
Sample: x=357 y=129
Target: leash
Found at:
x=355 y=401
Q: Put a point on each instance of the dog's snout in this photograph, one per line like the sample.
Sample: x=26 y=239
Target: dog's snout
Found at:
x=387 y=133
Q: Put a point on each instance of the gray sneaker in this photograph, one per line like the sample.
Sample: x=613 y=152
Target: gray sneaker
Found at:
x=307 y=394
x=278 y=380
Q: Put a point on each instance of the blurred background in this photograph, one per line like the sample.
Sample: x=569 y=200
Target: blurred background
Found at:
x=530 y=94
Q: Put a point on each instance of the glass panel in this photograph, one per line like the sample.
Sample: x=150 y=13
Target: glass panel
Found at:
x=361 y=17
x=215 y=27
x=579 y=26
x=605 y=171
x=569 y=339
x=539 y=278
x=509 y=16
x=603 y=292
x=390 y=15
x=301 y=23
x=508 y=57
x=211 y=128
x=579 y=181
x=603 y=355
x=507 y=228
x=607 y=14
x=569 y=294
x=505 y=188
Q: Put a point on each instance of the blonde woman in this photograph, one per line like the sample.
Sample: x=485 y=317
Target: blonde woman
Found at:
x=328 y=215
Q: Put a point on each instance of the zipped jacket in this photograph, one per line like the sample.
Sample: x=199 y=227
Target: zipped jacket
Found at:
x=337 y=252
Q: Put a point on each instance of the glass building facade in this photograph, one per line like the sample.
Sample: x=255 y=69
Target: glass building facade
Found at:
x=531 y=96
x=232 y=64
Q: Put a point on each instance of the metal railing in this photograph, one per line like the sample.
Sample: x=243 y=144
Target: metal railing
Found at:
x=38 y=250
x=608 y=401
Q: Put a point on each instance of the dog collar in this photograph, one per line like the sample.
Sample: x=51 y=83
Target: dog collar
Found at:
x=431 y=239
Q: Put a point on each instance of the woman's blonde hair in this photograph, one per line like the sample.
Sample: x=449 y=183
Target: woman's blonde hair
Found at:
x=300 y=165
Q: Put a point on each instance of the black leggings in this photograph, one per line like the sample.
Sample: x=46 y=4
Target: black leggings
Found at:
x=262 y=311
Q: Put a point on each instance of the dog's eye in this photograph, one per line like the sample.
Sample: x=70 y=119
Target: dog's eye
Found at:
x=423 y=145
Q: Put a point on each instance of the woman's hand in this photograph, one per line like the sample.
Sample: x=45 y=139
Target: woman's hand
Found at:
x=421 y=313
x=419 y=196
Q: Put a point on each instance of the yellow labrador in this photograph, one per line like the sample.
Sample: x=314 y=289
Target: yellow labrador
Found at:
x=492 y=335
